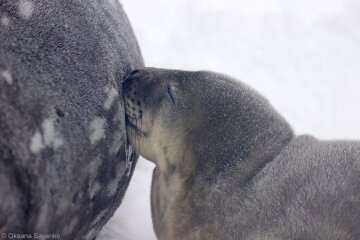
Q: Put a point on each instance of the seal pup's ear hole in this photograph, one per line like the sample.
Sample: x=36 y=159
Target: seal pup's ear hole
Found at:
x=169 y=93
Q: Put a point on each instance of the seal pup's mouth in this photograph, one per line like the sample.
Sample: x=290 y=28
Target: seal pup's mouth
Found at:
x=133 y=126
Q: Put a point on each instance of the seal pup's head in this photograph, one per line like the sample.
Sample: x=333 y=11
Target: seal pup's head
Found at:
x=213 y=117
x=157 y=103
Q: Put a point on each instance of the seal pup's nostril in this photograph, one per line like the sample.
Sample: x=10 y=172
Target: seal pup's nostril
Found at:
x=134 y=72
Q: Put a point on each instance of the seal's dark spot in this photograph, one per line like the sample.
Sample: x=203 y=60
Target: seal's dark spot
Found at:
x=75 y=197
x=59 y=112
x=165 y=149
x=171 y=169
x=128 y=96
x=132 y=100
x=52 y=191
x=138 y=103
x=166 y=179
x=133 y=108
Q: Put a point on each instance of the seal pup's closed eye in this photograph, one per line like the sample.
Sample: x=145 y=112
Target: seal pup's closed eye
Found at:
x=228 y=166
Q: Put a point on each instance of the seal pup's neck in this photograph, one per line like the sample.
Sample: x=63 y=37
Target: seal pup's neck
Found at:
x=241 y=159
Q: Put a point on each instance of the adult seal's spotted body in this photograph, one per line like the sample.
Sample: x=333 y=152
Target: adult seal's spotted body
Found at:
x=228 y=166
x=64 y=159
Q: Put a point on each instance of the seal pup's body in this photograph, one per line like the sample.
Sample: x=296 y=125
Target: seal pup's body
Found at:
x=228 y=166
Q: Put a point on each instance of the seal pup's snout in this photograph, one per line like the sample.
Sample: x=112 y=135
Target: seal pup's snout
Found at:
x=133 y=103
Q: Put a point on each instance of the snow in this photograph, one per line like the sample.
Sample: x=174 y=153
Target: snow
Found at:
x=302 y=55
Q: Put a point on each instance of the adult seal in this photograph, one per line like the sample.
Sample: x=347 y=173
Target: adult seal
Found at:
x=228 y=166
x=64 y=159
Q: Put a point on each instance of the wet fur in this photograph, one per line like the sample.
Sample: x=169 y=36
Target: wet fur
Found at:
x=230 y=167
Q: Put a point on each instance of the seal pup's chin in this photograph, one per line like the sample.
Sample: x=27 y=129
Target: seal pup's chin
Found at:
x=133 y=127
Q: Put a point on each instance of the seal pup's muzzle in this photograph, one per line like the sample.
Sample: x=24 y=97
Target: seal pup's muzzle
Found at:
x=133 y=104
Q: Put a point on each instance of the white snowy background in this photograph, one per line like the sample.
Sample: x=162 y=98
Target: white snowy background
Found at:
x=304 y=56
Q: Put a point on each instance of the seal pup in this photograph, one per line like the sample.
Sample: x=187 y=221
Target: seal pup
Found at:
x=228 y=166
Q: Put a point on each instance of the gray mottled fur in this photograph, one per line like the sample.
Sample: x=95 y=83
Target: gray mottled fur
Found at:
x=230 y=167
x=64 y=159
